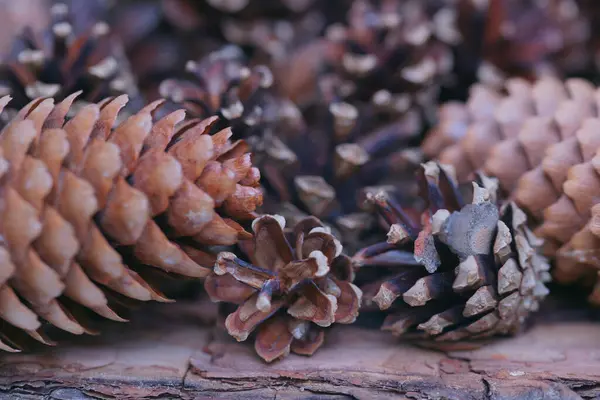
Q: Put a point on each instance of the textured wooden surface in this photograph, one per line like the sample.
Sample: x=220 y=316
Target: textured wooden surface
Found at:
x=170 y=352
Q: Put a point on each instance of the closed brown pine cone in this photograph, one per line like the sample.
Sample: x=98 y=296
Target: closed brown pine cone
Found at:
x=465 y=270
x=573 y=222
x=74 y=194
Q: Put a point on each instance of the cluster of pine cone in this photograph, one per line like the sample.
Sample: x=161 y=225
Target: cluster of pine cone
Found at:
x=433 y=162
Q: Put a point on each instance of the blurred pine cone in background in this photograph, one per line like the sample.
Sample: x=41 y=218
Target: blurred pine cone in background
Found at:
x=529 y=38
x=59 y=60
x=475 y=273
x=366 y=95
x=162 y=35
x=16 y=15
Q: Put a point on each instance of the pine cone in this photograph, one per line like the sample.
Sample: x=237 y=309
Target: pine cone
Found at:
x=162 y=35
x=222 y=84
x=59 y=62
x=571 y=222
x=475 y=271
x=17 y=15
x=532 y=133
x=530 y=38
x=394 y=54
x=297 y=283
x=77 y=197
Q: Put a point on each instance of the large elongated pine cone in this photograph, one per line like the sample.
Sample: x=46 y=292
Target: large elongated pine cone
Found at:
x=507 y=133
x=394 y=54
x=475 y=271
x=549 y=168
x=74 y=193
x=297 y=283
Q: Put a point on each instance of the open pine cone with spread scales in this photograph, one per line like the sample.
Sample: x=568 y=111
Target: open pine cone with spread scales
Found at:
x=475 y=273
x=60 y=61
x=267 y=28
x=222 y=83
x=393 y=54
x=309 y=171
x=296 y=283
x=75 y=195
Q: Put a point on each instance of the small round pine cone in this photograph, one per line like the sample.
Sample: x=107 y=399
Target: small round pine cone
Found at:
x=296 y=283
x=60 y=61
x=78 y=198
x=475 y=271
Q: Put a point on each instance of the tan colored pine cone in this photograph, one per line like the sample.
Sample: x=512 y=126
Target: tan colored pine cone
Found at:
x=61 y=60
x=509 y=133
x=572 y=222
x=222 y=83
x=296 y=283
x=527 y=137
x=74 y=193
x=475 y=270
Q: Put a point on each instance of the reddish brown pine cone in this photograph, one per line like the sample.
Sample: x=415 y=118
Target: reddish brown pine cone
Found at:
x=222 y=83
x=532 y=38
x=75 y=195
x=475 y=272
x=60 y=61
x=393 y=54
x=296 y=283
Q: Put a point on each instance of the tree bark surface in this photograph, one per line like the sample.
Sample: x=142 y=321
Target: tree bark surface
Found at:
x=172 y=352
